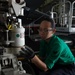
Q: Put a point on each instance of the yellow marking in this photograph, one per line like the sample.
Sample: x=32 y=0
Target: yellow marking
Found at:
x=9 y=27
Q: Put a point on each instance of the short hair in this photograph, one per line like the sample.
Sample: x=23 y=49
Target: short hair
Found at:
x=49 y=19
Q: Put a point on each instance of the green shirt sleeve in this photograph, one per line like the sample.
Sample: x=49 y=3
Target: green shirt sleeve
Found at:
x=54 y=55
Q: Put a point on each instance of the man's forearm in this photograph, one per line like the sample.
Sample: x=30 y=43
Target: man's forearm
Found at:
x=39 y=63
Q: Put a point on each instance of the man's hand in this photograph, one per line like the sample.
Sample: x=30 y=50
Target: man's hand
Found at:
x=27 y=52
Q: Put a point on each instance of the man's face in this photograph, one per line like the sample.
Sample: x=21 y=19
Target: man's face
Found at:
x=45 y=30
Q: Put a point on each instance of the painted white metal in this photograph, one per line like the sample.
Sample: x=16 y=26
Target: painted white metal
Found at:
x=18 y=36
x=18 y=6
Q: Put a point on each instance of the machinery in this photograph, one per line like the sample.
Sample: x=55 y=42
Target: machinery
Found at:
x=64 y=15
x=11 y=37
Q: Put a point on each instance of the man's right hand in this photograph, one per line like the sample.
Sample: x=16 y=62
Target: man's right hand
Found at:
x=27 y=52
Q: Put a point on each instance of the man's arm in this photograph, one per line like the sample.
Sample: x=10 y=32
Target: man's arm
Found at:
x=30 y=54
x=40 y=64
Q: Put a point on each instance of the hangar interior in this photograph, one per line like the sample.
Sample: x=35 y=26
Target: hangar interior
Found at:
x=26 y=15
x=63 y=14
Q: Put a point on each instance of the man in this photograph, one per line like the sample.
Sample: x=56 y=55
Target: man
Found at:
x=55 y=57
